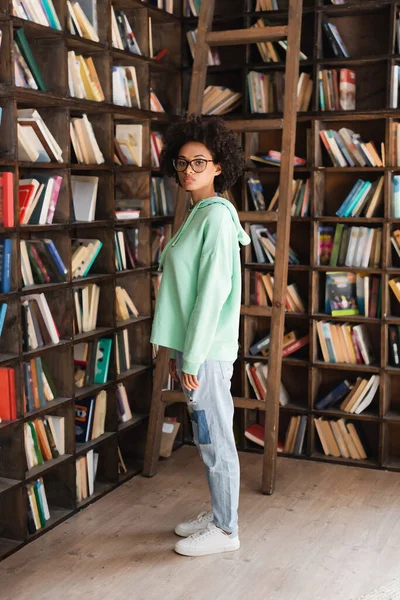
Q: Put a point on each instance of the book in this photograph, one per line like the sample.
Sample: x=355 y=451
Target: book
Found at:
x=84 y=196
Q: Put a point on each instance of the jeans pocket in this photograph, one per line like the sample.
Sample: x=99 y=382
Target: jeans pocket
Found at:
x=226 y=367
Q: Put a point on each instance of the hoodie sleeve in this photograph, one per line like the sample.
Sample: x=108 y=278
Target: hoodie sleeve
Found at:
x=213 y=288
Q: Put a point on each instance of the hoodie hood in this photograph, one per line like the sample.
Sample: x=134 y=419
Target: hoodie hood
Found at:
x=242 y=236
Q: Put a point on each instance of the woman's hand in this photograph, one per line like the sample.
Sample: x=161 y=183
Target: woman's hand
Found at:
x=172 y=369
x=190 y=382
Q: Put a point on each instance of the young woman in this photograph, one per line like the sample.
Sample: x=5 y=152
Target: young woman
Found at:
x=197 y=316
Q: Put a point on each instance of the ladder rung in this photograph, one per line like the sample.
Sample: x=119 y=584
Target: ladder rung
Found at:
x=255 y=124
x=252 y=35
x=170 y=396
x=259 y=216
x=255 y=311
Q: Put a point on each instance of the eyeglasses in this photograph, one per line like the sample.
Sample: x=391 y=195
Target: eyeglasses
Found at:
x=197 y=164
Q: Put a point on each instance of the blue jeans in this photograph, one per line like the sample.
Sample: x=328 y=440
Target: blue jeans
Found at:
x=211 y=412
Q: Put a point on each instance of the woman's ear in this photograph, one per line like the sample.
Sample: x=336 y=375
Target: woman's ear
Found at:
x=218 y=170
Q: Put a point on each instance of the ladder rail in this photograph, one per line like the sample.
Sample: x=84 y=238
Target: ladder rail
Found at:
x=282 y=249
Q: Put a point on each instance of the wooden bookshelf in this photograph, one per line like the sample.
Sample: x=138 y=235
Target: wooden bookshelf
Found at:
x=369 y=33
x=50 y=49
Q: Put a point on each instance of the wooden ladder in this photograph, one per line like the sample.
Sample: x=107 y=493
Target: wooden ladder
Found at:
x=206 y=38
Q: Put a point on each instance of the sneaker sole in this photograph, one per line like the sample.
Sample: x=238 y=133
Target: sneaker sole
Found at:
x=183 y=533
x=220 y=550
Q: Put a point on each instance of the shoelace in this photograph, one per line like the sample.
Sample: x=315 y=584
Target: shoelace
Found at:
x=202 y=533
x=201 y=517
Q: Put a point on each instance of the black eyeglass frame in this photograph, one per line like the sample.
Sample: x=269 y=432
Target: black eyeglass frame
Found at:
x=189 y=162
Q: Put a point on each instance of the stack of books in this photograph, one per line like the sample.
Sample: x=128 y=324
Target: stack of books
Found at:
x=38 y=325
x=42 y=13
x=269 y=50
x=84 y=253
x=295 y=435
x=84 y=143
x=334 y=38
x=123 y=37
x=354 y=397
x=79 y=24
x=26 y=70
x=38 y=199
x=219 y=100
x=274 y=158
x=156 y=146
x=339 y=438
x=84 y=196
x=92 y=361
x=125 y=307
x=349 y=246
x=213 y=53
x=257 y=374
x=83 y=79
x=123 y=407
x=36 y=143
x=346 y=149
x=337 y=89
x=86 y=300
x=125 y=87
x=40 y=443
x=90 y=416
x=128 y=144
x=291 y=343
x=266 y=92
x=8 y=406
x=364 y=199
x=345 y=343
x=38 y=508
x=7 y=199
x=293 y=301
x=39 y=387
x=86 y=470
x=348 y=294
x=41 y=262
x=264 y=244
x=122 y=353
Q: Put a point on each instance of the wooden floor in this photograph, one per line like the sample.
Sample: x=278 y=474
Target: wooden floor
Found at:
x=329 y=532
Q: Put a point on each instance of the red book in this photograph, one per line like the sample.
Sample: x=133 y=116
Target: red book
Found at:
x=257 y=382
x=7 y=195
x=13 y=404
x=255 y=433
x=295 y=346
x=25 y=196
x=373 y=301
x=7 y=396
x=347 y=89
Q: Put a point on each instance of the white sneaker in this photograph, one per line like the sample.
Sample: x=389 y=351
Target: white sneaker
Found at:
x=211 y=540
x=194 y=525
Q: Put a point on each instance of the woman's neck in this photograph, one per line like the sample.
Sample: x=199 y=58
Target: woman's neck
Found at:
x=198 y=195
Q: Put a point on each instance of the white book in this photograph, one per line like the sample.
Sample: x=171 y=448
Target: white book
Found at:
x=354 y=232
x=30 y=454
x=74 y=19
x=360 y=247
x=84 y=196
x=26 y=269
x=46 y=201
x=126 y=347
x=364 y=343
x=27 y=150
x=121 y=243
x=368 y=245
x=116 y=36
x=85 y=308
x=366 y=401
x=43 y=497
x=46 y=314
x=94 y=146
x=127 y=416
x=78 y=311
x=30 y=114
x=90 y=471
x=94 y=307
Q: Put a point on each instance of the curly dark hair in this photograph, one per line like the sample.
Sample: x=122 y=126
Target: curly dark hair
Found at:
x=222 y=143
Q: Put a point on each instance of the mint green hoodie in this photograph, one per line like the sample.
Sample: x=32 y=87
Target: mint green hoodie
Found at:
x=198 y=305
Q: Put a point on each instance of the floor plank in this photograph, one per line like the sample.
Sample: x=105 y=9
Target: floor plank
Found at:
x=328 y=533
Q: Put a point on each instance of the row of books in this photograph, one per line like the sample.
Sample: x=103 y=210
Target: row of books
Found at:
x=41 y=262
x=364 y=199
x=274 y=157
x=219 y=100
x=293 y=301
x=345 y=343
x=38 y=508
x=92 y=362
x=162 y=201
x=86 y=301
x=122 y=353
x=349 y=294
x=84 y=143
x=334 y=38
x=273 y=51
x=38 y=197
x=339 y=438
x=86 y=471
x=295 y=435
x=90 y=416
x=301 y=196
x=292 y=342
x=84 y=254
x=213 y=53
x=355 y=246
x=42 y=13
x=36 y=143
x=264 y=244
x=26 y=71
x=266 y=92
x=346 y=149
x=125 y=249
x=123 y=37
x=337 y=89
x=42 y=441
x=78 y=22
x=125 y=87
x=83 y=79
x=38 y=325
x=39 y=387
x=353 y=397
x=257 y=374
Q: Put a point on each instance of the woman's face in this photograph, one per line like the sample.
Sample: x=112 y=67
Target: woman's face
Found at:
x=190 y=179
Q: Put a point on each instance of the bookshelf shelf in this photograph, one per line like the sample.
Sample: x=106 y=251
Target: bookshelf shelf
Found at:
x=83 y=448
x=39 y=470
